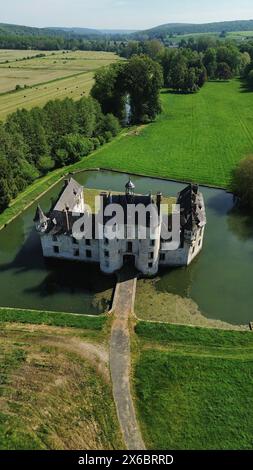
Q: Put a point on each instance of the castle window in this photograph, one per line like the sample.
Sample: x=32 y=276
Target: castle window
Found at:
x=88 y=254
x=106 y=241
x=56 y=249
x=130 y=247
x=54 y=237
x=150 y=265
x=199 y=242
x=87 y=242
x=74 y=241
x=152 y=242
x=151 y=255
x=76 y=253
x=162 y=257
x=193 y=249
x=107 y=264
x=106 y=253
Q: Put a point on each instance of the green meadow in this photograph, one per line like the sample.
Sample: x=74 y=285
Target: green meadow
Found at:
x=193 y=387
x=198 y=137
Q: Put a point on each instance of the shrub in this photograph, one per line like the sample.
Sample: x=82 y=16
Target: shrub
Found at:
x=242 y=182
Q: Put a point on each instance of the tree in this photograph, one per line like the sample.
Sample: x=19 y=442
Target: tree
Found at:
x=76 y=147
x=244 y=63
x=45 y=164
x=143 y=79
x=210 y=62
x=223 y=71
x=109 y=91
x=242 y=182
x=250 y=79
x=5 y=194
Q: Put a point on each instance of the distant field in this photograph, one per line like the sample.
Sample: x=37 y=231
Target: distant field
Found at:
x=236 y=35
x=198 y=137
x=11 y=55
x=57 y=75
x=193 y=388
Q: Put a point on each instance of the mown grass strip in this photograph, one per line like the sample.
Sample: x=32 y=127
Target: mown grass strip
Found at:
x=167 y=333
x=52 y=319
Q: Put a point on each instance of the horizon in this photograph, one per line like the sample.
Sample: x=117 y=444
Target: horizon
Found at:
x=118 y=14
x=123 y=29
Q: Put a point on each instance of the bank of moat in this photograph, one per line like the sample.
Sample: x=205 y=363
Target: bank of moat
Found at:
x=56 y=230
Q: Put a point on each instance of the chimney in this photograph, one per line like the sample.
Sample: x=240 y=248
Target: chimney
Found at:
x=158 y=202
x=67 y=218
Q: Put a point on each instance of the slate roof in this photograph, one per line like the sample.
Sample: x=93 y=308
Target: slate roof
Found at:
x=61 y=217
x=40 y=216
x=69 y=195
x=193 y=212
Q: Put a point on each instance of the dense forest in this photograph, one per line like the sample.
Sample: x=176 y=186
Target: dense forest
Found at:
x=34 y=142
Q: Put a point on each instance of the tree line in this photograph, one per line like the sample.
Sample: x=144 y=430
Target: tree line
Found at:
x=36 y=141
x=130 y=90
x=187 y=67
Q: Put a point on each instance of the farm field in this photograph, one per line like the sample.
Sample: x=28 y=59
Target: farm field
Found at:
x=209 y=407
x=234 y=35
x=55 y=389
x=11 y=55
x=57 y=75
x=198 y=137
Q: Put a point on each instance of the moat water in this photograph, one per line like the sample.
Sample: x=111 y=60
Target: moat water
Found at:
x=220 y=280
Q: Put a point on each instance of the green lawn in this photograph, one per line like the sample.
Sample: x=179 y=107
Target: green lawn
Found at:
x=198 y=137
x=193 y=394
x=52 y=318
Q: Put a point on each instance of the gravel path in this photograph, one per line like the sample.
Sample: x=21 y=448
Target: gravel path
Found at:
x=120 y=363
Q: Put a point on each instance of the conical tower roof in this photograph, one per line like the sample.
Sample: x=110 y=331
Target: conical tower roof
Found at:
x=40 y=216
x=130 y=184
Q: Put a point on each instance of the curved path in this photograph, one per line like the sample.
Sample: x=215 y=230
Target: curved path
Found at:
x=120 y=361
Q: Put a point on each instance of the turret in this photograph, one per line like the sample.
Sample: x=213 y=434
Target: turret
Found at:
x=130 y=187
x=40 y=220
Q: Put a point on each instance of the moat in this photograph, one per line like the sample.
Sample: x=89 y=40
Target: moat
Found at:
x=218 y=281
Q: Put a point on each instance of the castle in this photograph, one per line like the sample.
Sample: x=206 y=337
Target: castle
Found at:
x=57 y=240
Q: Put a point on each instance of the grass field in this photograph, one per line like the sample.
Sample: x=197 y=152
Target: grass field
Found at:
x=57 y=75
x=198 y=137
x=234 y=35
x=193 y=387
x=55 y=391
x=10 y=55
x=52 y=319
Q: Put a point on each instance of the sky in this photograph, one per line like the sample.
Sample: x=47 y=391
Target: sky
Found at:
x=121 y=14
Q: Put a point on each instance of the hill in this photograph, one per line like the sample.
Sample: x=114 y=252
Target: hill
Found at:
x=188 y=28
x=21 y=30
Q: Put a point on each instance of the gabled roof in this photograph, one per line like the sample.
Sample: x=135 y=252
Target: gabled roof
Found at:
x=69 y=195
